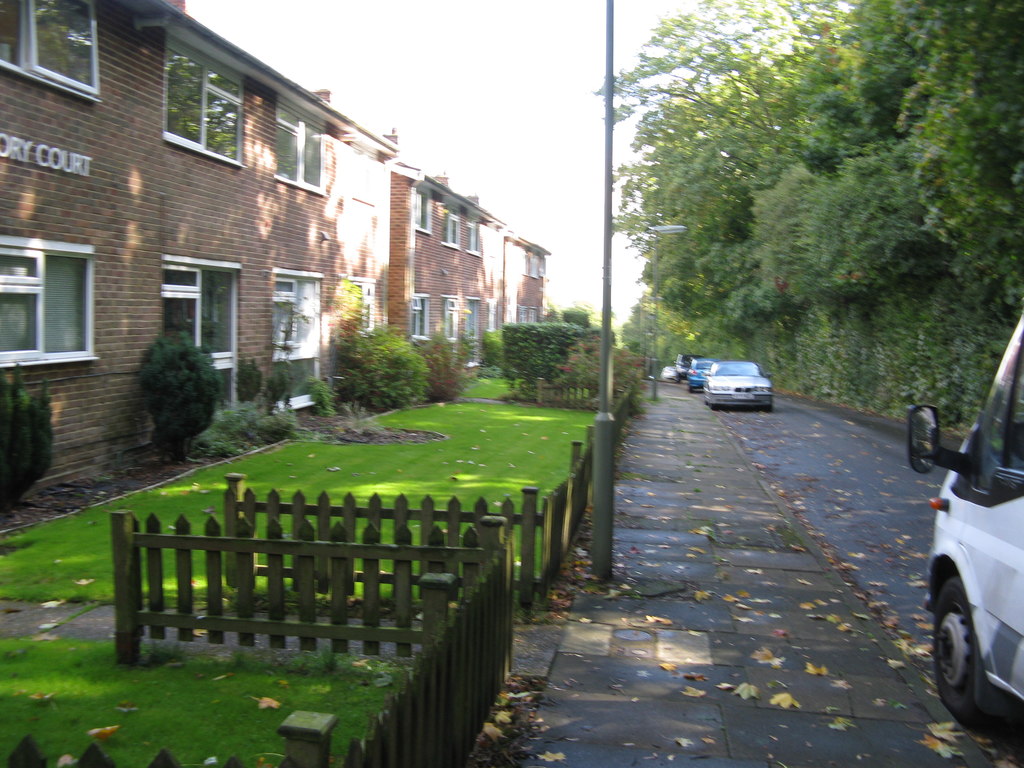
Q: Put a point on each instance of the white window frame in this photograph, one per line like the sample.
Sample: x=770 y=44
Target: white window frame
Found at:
x=419 y=307
x=222 y=359
x=492 y=314
x=450 y=317
x=306 y=133
x=27 y=59
x=307 y=348
x=451 y=228
x=472 y=329
x=35 y=285
x=473 y=236
x=208 y=89
x=368 y=291
x=422 y=210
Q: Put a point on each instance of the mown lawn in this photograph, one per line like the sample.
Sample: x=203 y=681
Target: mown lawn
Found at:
x=492 y=450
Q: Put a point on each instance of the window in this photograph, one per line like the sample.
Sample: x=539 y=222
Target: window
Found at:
x=492 y=314
x=533 y=265
x=51 y=39
x=451 y=228
x=299 y=150
x=203 y=106
x=421 y=209
x=296 y=332
x=199 y=301
x=45 y=301
x=451 y=317
x=368 y=302
x=473 y=235
x=473 y=318
x=419 y=317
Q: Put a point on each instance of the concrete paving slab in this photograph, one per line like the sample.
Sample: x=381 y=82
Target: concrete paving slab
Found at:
x=586 y=755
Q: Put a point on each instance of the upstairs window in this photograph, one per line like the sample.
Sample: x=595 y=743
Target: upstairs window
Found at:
x=299 y=150
x=451 y=228
x=203 y=106
x=421 y=209
x=473 y=235
x=51 y=39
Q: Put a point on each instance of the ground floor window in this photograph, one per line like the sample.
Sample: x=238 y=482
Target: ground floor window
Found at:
x=200 y=301
x=492 y=314
x=368 y=306
x=45 y=300
x=296 y=332
x=419 y=317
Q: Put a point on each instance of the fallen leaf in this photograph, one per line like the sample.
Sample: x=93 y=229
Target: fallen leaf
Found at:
x=811 y=669
x=42 y=696
x=767 y=656
x=694 y=676
x=266 y=702
x=84 y=582
x=658 y=620
x=747 y=691
x=552 y=757
x=493 y=732
x=842 y=724
x=940 y=747
x=784 y=700
x=701 y=595
x=65 y=760
x=668 y=666
x=693 y=693
x=102 y=734
x=946 y=731
x=683 y=742
x=502 y=717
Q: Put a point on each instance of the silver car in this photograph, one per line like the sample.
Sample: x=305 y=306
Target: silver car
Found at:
x=738 y=383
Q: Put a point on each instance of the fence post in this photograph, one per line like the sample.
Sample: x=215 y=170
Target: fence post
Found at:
x=435 y=589
x=528 y=550
x=127 y=589
x=308 y=738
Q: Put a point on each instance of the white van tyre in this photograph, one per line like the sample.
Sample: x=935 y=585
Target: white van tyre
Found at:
x=956 y=655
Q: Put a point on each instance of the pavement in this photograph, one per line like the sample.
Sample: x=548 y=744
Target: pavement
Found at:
x=726 y=639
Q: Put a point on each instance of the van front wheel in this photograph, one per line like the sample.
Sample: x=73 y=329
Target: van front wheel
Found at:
x=956 y=654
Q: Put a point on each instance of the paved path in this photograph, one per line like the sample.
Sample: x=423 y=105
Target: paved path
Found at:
x=718 y=592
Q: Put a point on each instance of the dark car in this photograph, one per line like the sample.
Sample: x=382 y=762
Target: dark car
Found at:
x=683 y=363
x=698 y=373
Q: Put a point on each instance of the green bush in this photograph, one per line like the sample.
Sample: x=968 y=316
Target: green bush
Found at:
x=446 y=368
x=536 y=351
x=180 y=389
x=26 y=438
x=278 y=386
x=582 y=367
x=323 y=397
x=492 y=353
x=379 y=370
x=237 y=430
x=248 y=381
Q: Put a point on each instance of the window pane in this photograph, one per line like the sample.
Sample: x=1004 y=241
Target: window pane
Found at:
x=17 y=321
x=10 y=23
x=64 y=38
x=17 y=266
x=184 y=97
x=180 y=317
x=222 y=126
x=181 y=277
x=311 y=159
x=287 y=154
x=225 y=84
x=216 y=326
x=64 y=304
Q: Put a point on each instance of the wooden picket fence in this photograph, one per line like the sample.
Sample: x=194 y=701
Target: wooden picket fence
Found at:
x=552 y=396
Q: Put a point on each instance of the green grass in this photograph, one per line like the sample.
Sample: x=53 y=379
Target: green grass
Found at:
x=196 y=707
x=493 y=450
x=493 y=389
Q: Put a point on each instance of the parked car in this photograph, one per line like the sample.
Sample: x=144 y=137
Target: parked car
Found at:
x=683 y=365
x=737 y=383
x=976 y=566
x=698 y=371
x=668 y=373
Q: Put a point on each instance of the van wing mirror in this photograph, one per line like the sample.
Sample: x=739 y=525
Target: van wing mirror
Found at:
x=922 y=437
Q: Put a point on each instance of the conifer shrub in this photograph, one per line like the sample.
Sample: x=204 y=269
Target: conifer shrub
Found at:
x=26 y=438
x=181 y=390
x=248 y=381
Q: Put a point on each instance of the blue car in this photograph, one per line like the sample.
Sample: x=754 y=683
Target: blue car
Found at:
x=698 y=373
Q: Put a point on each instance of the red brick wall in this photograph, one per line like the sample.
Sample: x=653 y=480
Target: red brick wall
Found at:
x=145 y=198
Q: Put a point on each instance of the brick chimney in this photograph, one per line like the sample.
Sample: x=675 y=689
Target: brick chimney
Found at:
x=442 y=179
x=323 y=94
x=393 y=136
x=179 y=4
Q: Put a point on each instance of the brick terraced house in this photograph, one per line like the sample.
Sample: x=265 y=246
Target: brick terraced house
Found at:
x=155 y=178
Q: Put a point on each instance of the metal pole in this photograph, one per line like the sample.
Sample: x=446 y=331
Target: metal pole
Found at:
x=604 y=427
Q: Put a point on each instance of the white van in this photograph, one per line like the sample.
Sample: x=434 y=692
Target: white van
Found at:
x=976 y=572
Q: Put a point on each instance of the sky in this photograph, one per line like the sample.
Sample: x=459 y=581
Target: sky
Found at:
x=501 y=97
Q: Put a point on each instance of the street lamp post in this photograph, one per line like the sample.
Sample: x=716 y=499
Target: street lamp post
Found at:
x=603 y=484
x=661 y=229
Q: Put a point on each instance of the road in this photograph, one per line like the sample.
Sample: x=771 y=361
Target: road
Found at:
x=845 y=474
